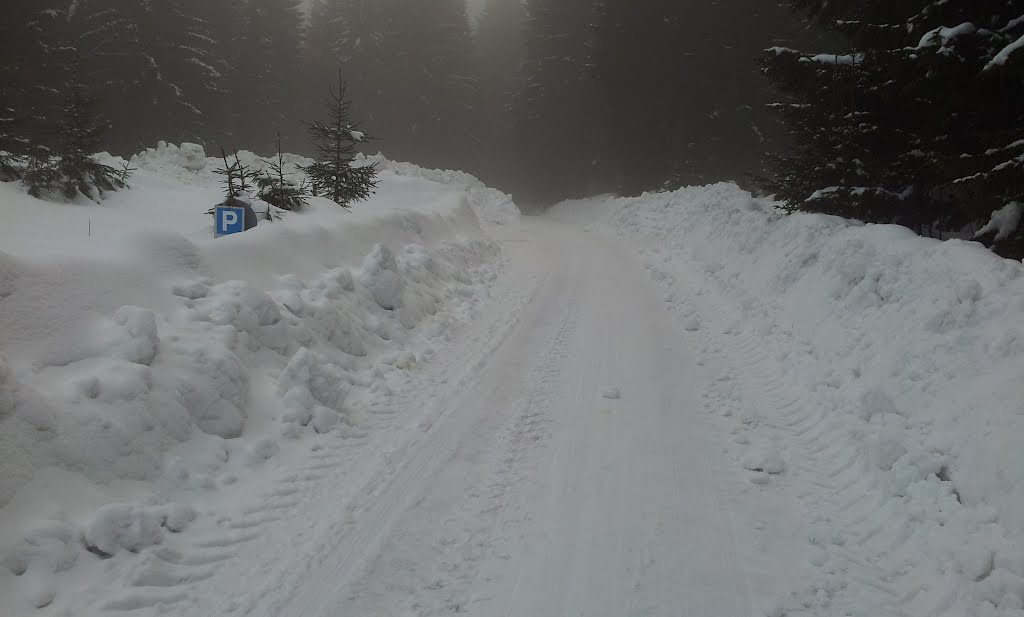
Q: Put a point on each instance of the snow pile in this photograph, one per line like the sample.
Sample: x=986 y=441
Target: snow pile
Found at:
x=145 y=363
x=190 y=164
x=491 y=205
x=884 y=367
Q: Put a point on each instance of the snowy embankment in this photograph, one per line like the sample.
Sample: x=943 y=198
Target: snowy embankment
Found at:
x=148 y=371
x=875 y=375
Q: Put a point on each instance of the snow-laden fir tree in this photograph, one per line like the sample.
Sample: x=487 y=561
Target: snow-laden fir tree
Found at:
x=71 y=167
x=914 y=118
x=333 y=174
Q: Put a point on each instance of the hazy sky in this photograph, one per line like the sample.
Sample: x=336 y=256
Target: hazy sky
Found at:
x=475 y=6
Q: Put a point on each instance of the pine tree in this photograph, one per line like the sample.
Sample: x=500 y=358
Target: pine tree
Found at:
x=333 y=174
x=914 y=120
x=238 y=178
x=71 y=168
x=280 y=190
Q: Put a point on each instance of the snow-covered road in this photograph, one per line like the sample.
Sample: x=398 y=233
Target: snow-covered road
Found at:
x=557 y=462
x=575 y=474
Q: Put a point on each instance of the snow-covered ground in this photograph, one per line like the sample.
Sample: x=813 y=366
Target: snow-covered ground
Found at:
x=680 y=404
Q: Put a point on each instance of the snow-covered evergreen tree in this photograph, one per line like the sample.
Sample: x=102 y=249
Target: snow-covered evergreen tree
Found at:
x=915 y=118
x=333 y=174
x=70 y=168
x=280 y=189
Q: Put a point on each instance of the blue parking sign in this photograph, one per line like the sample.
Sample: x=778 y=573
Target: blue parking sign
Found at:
x=228 y=221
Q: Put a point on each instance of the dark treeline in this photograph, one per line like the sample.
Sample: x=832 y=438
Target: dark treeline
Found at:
x=625 y=96
x=904 y=111
x=547 y=98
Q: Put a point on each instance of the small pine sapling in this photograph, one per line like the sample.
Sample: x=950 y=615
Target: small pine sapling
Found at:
x=278 y=190
x=126 y=171
x=237 y=177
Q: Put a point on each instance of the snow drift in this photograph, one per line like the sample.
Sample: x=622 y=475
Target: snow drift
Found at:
x=881 y=370
x=491 y=205
x=144 y=364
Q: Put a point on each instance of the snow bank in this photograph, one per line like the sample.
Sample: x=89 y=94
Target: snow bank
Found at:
x=145 y=365
x=491 y=205
x=885 y=367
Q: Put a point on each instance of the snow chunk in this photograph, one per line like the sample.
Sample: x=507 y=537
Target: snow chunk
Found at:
x=209 y=381
x=118 y=527
x=193 y=157
x=611 y=394
x=324 y=419
x=140 y=344
x=247 y=309
x=379 y=275
x=691 y=323
x=310 y=386
x=176 y=516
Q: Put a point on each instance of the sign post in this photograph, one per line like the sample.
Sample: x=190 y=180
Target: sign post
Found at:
x=228 y=221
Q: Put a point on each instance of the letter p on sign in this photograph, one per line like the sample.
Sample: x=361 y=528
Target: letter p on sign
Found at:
x=228 y=221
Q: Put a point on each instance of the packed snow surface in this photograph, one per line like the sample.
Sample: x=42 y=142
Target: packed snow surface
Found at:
x=679 y=404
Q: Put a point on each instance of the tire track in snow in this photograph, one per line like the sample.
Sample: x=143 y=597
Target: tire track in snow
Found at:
x=864 y=562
